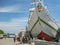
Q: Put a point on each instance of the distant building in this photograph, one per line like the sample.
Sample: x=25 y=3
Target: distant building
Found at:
x=22 y=33
x=10 y=35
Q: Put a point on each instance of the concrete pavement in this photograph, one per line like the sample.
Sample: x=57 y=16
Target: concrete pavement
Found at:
x=10 y=41
x=6 y=41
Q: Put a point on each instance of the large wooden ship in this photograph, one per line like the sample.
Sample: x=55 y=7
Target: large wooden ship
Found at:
x=40 y=23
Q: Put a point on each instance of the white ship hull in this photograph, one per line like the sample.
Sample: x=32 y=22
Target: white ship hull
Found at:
x=42 y=25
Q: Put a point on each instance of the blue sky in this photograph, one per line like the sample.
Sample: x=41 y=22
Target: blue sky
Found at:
x=14 y=13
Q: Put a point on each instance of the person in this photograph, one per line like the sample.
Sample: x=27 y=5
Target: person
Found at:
x=14 y=38
x=24 y=39
x=31 y=35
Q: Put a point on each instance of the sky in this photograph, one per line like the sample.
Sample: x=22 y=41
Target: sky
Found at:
x=14 y=14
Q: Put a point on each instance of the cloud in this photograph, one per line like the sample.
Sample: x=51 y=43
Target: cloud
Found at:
x=13 y=8
x=14 y=26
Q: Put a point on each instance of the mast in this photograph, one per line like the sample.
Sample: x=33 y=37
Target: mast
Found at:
x=36 y=3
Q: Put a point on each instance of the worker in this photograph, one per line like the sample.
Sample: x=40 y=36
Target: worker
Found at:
x=24 y=39
x=31 y=35
x=14 y=38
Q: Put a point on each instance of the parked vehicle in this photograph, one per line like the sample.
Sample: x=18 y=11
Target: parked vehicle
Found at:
x=1 y=36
